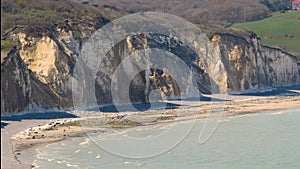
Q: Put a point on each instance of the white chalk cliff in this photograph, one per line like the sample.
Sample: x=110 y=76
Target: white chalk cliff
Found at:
x=35 y=74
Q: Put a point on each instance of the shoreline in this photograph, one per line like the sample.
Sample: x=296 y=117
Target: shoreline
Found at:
x=17 y=137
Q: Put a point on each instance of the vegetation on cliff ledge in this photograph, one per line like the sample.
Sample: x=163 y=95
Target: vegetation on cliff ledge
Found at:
x=6 y=45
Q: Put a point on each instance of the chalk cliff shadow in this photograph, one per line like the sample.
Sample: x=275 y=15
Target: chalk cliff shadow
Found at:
x=3 y=124
x=137 y=107
x=202 y=98
x=37 y=116
x=278 y=91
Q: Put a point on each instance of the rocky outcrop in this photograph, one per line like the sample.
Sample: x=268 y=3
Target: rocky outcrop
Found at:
x=21 y=91
x=251 y=66
x=149 y=79
x=36 y=74
x=50 y=55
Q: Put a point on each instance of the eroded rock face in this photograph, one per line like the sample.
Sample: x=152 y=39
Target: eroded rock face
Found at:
x=21 y=90
x=250 y=65
x=39 y=54
x=37 y=73
x=149 y=79
x=282 y=68
x=51 y=55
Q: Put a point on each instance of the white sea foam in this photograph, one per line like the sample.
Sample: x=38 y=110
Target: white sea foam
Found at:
x=277 y=113
x=284 y=111
x=85 y=142
x=224 y=120
x=243 y=115
x=139 y=164
x=72 y=165
x=98 y=156
x=35 y=164
x=50 y=159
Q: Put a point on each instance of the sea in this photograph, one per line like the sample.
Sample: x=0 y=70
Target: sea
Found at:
x=266 y=140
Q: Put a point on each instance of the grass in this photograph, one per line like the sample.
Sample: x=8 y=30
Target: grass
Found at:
x=109 y=123
x=6 y=45
x=73 y=123
x=124 y=124
x=281 y=30
x=45 y=13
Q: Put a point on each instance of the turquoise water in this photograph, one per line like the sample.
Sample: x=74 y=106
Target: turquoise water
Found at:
x=262 y=141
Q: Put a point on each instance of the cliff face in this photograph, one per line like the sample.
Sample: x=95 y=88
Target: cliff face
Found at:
x=153 y=74
x=21 y=90
x=36 y=74
x=249 y=65
x=49 y=55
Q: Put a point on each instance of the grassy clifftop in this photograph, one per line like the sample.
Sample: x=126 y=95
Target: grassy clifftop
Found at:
x=281 y=30
x=44 y=13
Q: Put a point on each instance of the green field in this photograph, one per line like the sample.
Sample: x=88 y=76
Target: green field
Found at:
x=280 y=30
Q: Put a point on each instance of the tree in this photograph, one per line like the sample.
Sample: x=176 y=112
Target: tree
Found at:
x=266 y=3
x=277 y=5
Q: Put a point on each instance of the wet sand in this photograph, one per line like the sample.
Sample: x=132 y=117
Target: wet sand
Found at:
x=8 y=155
x=19 y=135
